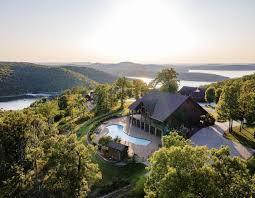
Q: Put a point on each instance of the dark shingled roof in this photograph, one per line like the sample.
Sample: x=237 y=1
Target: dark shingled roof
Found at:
x=117 y=146
x=192 y=91
x=160 y=104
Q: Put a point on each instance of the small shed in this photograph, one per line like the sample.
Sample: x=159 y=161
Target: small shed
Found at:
x=117 y=151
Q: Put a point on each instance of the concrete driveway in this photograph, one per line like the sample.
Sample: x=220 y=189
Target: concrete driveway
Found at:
x=212 y=137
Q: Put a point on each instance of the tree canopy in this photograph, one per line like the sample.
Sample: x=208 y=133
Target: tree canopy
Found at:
x=218 y=92
x=167 y=79
x=122 y=85
x=210 y=94
x=179 y=169
x=139 y=88
x=228 y=106
x=37 y=161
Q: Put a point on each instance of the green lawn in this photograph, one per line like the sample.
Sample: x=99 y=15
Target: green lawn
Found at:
x=115 y=177
x=93 y=122
x=244 y=137
x=130 y=172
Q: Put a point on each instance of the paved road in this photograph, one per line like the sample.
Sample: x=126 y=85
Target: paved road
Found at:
x=212 y=137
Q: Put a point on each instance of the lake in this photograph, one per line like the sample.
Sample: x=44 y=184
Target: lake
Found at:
x=20 y=102
x=17 y=104
x=182 y=82
x=226 y=73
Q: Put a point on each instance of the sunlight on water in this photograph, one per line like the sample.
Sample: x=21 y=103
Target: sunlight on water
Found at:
x=227 y=73
x=17 y=104
x=182 y=82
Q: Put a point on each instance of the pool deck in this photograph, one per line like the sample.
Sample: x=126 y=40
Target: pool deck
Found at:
x=141 y=150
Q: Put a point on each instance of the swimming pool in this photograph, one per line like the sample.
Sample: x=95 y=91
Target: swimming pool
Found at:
x=117 y=130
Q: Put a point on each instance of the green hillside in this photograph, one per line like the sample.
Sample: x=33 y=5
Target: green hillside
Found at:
x=93 y=74
x=20 y=78
x=232 y=80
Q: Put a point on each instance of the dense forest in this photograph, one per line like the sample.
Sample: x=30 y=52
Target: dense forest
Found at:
x=46 y=150
x=93 y=74
x=21 y=78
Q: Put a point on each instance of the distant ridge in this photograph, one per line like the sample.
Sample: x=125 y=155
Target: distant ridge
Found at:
x=150 y=70
x=245 y=67
x=22 y=77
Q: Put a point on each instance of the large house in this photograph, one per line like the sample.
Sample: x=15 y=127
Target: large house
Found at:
x=157 y=112
x=196 y=93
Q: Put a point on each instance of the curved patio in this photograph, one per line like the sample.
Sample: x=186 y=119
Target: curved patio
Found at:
x=142 y=151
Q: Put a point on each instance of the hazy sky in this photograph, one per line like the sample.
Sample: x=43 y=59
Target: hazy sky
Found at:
x=145 y=31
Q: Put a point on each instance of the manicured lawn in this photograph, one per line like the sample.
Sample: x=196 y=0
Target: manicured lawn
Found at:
x=244 y=137
x=93 y=122
x=115 y=177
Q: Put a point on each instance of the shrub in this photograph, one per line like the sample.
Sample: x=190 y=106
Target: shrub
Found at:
x=82 y=119
x=104 y=140
x=58 y=117
x=138 y=190
x=116 y=184
x=207 y=120
x=62 y=122
x=251 y=165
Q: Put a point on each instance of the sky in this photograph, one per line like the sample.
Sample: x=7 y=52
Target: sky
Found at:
x=144 y=31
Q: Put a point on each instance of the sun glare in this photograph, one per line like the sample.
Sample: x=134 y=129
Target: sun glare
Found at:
x=142 y=29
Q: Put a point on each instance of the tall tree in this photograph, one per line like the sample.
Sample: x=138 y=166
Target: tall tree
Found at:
x=122 y=85
x=218 y=92
x=167 y=78
x=139 y=88
x=71 y=171
x=20 y=143
x=228 y=105
x=63 y=102
x=102 y=98
x=112 y=96
x=210 y=94
x=247 y=102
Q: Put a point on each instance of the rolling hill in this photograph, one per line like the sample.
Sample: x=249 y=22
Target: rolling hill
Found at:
x=130 y=69
x=21 y=78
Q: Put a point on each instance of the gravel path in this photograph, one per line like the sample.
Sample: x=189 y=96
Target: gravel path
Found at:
x=212 y=137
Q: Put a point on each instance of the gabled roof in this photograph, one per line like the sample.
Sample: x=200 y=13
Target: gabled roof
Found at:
x=117 y=146
x=160 y=104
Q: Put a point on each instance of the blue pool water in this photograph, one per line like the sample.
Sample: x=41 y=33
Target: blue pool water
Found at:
x=116 y=130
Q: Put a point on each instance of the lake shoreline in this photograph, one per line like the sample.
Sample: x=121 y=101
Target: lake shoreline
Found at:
x=182 y=83
x=27 y=96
